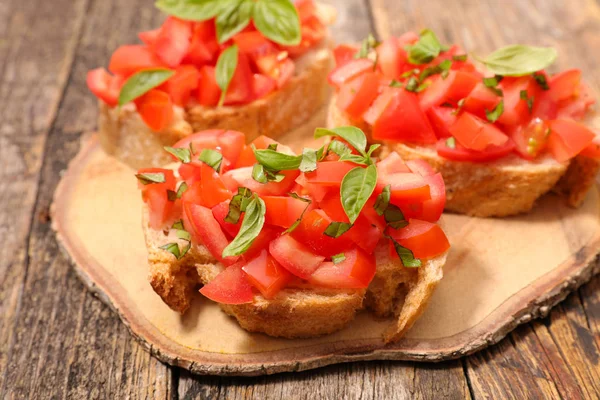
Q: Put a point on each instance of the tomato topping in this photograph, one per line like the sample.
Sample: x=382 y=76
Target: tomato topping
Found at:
x=220 y=211
x=105 y=86
x=421 y=167
x=149 y=37
x=456 y=86
x=379 y=105
x=283 y=211
x=156 y=197
x=262 y=241
x=349 y=70
x=262 y=85
x=311 y=232
x=425 y=239
x=405 y=187
x=127 y=60
x=344 y=53
x=208 y=89
x=568 y=138
x=156 y=109
x=516 y=111
x=564 y=85
x=203 y=48
x=240 y=87
x=247 y=158
x=354 y=272
x=266 y=274
x=391 y=58
x=181 y=85
x=441 y=119
x=173 y=41
x=593 y=149
x=531 y=140
x=231 y=286
x=212 y=186
x=480 y=100
x=392 y=164
x=461 y=153
x=475 y=133
x=329 y=173
x=242 y=177
x=356 y=96
x=294 y=256
x=229 y=143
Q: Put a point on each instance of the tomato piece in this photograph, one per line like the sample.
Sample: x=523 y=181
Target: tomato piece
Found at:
x=243 y=177
x=305 y=8
x=262 y=241
x=193 y=194
x=311 y=232
x=379 y=105
x=240 y=87
x=312 y=32
x=355 y=96
x=266 y=274
x=441 y=119
x=262 y=85
x=481 y=99
x=420 y=167
x=461 y=153
x=391 y=58
x=568 y=138
x=329 y=173
x=516 y=111
x=204 y=229
x=531 y=140
x=203 y=48
x=294 y=256
x=425 y=239
x=181 y=85
x=577 y=106
x=355 y=272
x=404 y=187
x=564 y=85
x=349 y=70
x=403 y=120
x=213 y=189
x=247 y=158
x=220 y=211
x=229 y=143
x=156 y=197
x=104 y=85
x=432 y=209
x=283 y=211
x=456 y=86
x=392 y=164
x=253 y=42
x=156 y=109
x=173 y=41
x=476 y=134
x=544 y=107
x=208 y=89
x=149 y=37
x=593 y=149
x=231 y=286
x=276 y=65
x=344 y=53
x=129 y=59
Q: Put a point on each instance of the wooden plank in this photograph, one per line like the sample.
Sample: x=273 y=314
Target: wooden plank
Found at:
x=65 y=342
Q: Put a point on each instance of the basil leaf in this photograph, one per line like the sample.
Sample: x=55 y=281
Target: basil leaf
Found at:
x=368 y=44
x=184 y=235
x=492 y=83
x=183 y=155
x=437 y=69
x=406 y=255
x=337 y=229
x=212 y=158
x=372 y=148
x=541 y=80
x=225 y=69
x=519 y=60
x=182 y=189
x=238 y=205
x=191 y=10
x=149 y=178
x=383 y=200
x=354 y=158
x=258 y=174
x=272 y=146
x=338 y=148
x=528 y=100
x=394 y=217
x=172 y=248
x=276 y=161
x=460 y=57
x=178 y=224
x=338 y=258
x=493 y=115
x=410 y=72
x=278 y=20
x=232 y=18
x=426 y=49
x=297 y=222
x=171 y=195
x=451 y=143
x=142 y=82
x=309 y=160
x=425 y=85
x=254 y=219
x=357 y=187
x=395 y=83
x=412 y=84
x=354 y=136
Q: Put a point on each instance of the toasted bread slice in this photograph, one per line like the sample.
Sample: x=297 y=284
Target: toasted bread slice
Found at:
x=298 y=311
x=500 y=188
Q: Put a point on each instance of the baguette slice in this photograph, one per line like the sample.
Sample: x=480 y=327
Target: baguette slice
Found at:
x=500 y=188
x=298 y=311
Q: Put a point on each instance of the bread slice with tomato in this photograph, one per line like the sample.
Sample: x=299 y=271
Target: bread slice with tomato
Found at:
x=500 y=141
x=280 y=254
x=172 y=85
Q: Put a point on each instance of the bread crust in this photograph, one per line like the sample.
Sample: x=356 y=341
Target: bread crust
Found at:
x=499 y=188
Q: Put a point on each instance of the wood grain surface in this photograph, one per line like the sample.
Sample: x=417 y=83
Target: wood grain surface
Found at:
x=58 y=341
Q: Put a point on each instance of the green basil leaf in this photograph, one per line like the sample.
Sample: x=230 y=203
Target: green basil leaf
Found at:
x=354 y=158
x=529 y=100
x=272 y=146
x=393 y=214
x=541 y=81
x=406 y=255
x=297 y=222
x=383 y=200
x=493 y=115
x=351 y=134
x=183 y=155
x=338 y=148
x=426 y=84
x=142 y=82
x=191 y=10
x=426 y=49
x=372 y=148
x=258 y=174
x=460 y=57
x=233 y=17
x=337 y=229
x=181 y=190
x=278 y=20
x=298 y=197
x=519 y=60
x=492 y=83
x=357 y=186
x=212 y=158
x=225 y=69
x=412 y=84
x=184 y=235
x=171 y=195
x=395 y=83
x=437 y=69
x=309 y=160
x=178 y=225
x=172 y=248
x=451 y=143
x=338 y=258
x=149 y=178
x=238 y=205
x=276 y=161
x=254 y=220
x=410 y=72
x=368 y=44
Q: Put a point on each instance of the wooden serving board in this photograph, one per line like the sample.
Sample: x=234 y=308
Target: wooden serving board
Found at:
x=499 y=273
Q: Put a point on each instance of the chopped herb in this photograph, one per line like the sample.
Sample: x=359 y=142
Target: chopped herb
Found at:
x=406 y=256
x=149 y=178
x=541 y=80
x=183 y=155
x=178 y=224
x=423 y=86
x=171 y=195
x=309 y=160
x=212 y=158
x=395 y=84
x=519 y=60
x=492 y=83
x=528 y=100
x=338 y=258
x=253 y=222
x=338 y=148
x=460 y=57
x=184 y=235
x=410 y=72
x=173 y=248
x=272 y=146
x=337 y=229
x=238 y=205
x=181 y=190
x=412 y=84
x=451 y=143
x=440 y=68
x=394 y=217
x=276 y=161
x=258 y=174
x=493 y=115
x=383 y=200
x=368 y=44
x=426 y=49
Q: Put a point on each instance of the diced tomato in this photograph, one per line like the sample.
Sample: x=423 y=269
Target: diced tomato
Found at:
x=403 y=120
x=425 y=239
x=355 y=272
x=305 y=8
x=283 y=211
x=156 y=197
x=262 y=241
x=208 y=89
x=149 y=37
x=193 y=194
x=247 y=158
x=531 y=139
x=593 y=149
x=392 y=164
x=475 y=133
x=441 y=119
x=213 y=189
x=481 y=99
x=156 y=109
x=181 y=85
x=432 y=209
x=127 y=60
x=240 y=87
x=345 y=72
x=344 y=53
x=379 y=105
x=203 y=47
x=252 y=43
x=576 y=107
x=544 y=107
x=243 y=177
x=262 y=85
x=204 y=229
x=312 y=32
x=391 y=58
x=276 y=65
x=220 y=211
x=105 y=86
x=173 y=41
x=355 y=96
x=229 y=143
x=568 y=138
x=421 y=167
x=266 y=274
x=329 y=173
x=231 y=286
x=311 y=232
x=461 y=153
x=456 y=86
x=405 y=187
x=516 y=111
x=294 y=256
x=564 y=85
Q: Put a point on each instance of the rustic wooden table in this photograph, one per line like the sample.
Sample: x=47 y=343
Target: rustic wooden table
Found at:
x=57 y=340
